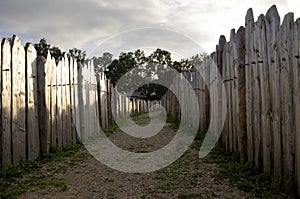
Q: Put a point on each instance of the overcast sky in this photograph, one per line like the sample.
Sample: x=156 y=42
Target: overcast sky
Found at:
x=116 y=25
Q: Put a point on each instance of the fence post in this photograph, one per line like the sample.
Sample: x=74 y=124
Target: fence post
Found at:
x=249 y=95
x=256 y=97
x=286 y=82
x=296 y=82
x=53 y=108
x=32 y=120
x=5 y=127
x=18 y=101
x=80 y=123
x=272 y=29
x=42 y=108
x=241 y=84
x=265 y=94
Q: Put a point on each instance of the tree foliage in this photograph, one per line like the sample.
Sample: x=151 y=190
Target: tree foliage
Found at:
x=43 y=48
x=77 y=54
x=137 y=67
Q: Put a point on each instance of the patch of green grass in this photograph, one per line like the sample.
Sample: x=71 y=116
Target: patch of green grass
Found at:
x=166 y=187
x=170 y=119
x=113 y=127
x=10 y=175
x=160 y=177
x=109 y=180
x=197 y=175
x=244 y=175
x=64 y=188
x=189 y=195
x=57 y=183
x=200 y=136
x=129 y=148
x=175 y=125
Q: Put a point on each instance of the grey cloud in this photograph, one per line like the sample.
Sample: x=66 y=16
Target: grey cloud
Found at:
x=64 y=22
x=86 y=23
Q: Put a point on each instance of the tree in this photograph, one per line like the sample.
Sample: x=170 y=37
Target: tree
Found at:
x=56 y=53
x=121 y=66
x=78 y=54
x=42 y=49
x=101 y=63
x=151 y=68
x=155 y=67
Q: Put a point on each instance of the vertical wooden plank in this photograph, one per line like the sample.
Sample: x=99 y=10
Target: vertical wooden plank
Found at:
x=241 y=84
x=59 y=118
x=93 y=100
x=32 y=121
x=42 y=108
x=249 y=26
x=67 y=97
x=296 y=78
x=5 y=127
x=80 y=117
x=18 y=101
x=53 y=108
x=76 y=100
x=64 y=102
x=272 y=29
x=256 y=98
x=85 y=101
x=287 y=120
x=1 y=102
x=233 y=90
x=207 y=97
x=72 y=98
x=48 y=77
x=261 y=54
x=226 y=79
x=219 y=58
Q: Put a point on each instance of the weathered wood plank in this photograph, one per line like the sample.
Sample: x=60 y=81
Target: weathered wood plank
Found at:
x=286 y=82
x=18 y=101
x=256 y=97
x=73 y=68
x=265 y=94
x=80 y=118
x=59 y=110
x=219 y=58
x=233 y=90
x=0 y=102
x=32 y=121
x=76 y=100
x=5 y=127
x=64 y=103
x=272 y=29
x=225 y=80
x=42 y=108
x=296 y=82
x=241 y=84
x=249 y=26
x=67 y=97
x=48 y=77
x=53 y=108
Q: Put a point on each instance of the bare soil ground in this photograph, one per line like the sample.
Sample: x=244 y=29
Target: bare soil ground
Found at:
x=82 y=176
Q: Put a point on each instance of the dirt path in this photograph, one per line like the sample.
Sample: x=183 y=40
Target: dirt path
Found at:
x=81 y=176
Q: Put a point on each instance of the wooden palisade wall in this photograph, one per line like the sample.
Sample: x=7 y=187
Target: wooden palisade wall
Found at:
x=261 y=74
x=42 y=100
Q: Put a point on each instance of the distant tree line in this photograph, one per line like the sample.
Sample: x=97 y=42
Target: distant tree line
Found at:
x=154 y=66
x=43 y=48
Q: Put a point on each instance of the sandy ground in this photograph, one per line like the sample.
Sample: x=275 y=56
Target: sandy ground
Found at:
x=188 y=177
